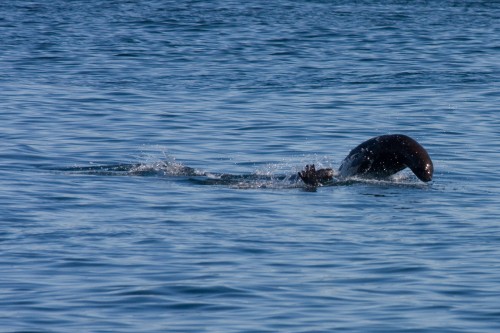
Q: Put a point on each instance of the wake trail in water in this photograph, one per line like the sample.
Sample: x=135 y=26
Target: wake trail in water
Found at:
x=171 y=169
x=263 y=178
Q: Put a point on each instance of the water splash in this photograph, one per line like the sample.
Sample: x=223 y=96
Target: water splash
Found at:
x=282 y=175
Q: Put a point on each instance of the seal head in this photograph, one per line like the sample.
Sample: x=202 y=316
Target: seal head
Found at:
x=386 y=155
x=379 y=157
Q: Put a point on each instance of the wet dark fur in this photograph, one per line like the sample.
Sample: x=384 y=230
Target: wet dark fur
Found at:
x=379 y=157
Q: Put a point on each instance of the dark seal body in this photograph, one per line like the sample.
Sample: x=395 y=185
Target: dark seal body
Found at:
x=384 y=155
x=379 y=157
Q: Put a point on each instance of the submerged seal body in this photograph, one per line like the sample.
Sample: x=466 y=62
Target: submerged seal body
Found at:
x=379 y=157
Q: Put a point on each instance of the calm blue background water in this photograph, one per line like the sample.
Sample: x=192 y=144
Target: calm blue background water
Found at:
x=258 y=88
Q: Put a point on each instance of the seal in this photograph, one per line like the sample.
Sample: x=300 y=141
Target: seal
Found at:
x=378 y=157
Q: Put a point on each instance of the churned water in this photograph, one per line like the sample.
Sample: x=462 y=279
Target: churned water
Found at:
x=104 y=103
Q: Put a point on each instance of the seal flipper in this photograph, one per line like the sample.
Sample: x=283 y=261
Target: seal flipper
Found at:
x=312 y=177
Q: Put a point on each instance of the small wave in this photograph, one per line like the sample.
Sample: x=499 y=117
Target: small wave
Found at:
x=399 y=179
x=151 y=168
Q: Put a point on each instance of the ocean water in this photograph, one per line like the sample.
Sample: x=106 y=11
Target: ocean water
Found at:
x=104 y=103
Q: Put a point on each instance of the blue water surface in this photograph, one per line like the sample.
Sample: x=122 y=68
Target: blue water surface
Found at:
x=103 y=103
